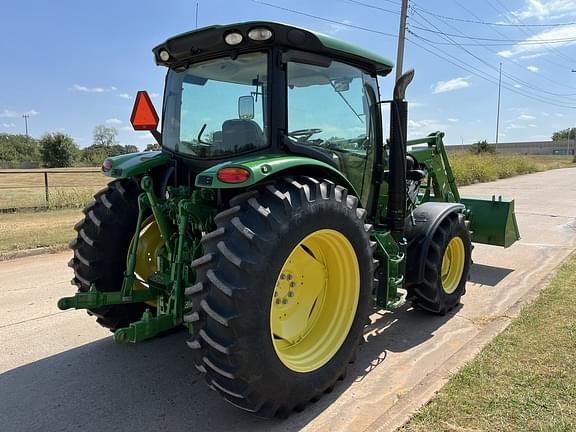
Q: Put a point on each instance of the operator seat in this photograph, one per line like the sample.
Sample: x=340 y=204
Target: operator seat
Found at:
x=241 y=133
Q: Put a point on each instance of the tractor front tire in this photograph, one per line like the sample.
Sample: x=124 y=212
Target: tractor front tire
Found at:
x=446 y=268
x=101 y=247
x=284 y=292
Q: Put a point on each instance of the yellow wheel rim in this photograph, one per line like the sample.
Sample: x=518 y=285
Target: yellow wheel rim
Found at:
x=315 y=300
x=453 y=265
x=149 y=244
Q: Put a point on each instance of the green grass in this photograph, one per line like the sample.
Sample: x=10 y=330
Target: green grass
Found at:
x=26 y=230
x=470 y=168
x=524 y=380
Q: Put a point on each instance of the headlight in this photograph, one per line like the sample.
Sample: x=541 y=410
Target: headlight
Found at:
x=233 y=38
x=260 y=34
x=164 y=56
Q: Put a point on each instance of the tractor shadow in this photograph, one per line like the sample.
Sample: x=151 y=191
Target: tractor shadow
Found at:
x=488 y=275
x=154 y=385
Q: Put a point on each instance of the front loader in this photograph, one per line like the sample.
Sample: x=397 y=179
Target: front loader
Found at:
x=277 y=216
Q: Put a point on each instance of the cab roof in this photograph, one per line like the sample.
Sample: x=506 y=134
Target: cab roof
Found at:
x=207 y=42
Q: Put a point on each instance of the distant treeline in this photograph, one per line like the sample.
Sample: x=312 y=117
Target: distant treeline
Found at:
x=58 y=150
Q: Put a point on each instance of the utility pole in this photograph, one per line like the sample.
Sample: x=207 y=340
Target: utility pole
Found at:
x=401 y=38
x=498 y=109
x=196 y=14
x=25 y=117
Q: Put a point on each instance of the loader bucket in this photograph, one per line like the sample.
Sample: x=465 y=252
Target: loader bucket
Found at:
x=492 y=221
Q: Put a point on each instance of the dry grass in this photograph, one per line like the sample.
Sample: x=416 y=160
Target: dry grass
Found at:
x=26 y=230
x=66 y=188
x=524 y=380
x=470 y=168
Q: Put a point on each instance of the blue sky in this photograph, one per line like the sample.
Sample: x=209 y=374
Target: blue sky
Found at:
x=72 y=65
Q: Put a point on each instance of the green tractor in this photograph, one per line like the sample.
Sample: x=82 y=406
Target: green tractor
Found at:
x=276 y=216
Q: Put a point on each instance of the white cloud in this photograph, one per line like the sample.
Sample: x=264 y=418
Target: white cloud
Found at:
x=13 y=114
x=86 y=89
x=420 y=128
x=534 y=44
x=452 y=120
x=533 y=68
x=546 y=9
x=8 y=125
x=114 y=121
x=154 y=95
x=124 y=96
x=517 y=86
x=526 y=117
x=81 y=88
x=545 y=114
x=450 y=85
x=559 y=115
x=337 y=28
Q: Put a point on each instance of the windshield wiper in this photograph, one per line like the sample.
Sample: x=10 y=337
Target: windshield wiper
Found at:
x=346 y=102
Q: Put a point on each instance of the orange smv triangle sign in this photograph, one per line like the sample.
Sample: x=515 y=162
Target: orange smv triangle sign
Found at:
x=144 y=115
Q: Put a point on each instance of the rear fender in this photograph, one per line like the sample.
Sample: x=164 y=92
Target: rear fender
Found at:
x=262 y=168
x=134 y=164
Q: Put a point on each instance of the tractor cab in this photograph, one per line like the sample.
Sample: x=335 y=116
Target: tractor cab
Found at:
x=264 y=88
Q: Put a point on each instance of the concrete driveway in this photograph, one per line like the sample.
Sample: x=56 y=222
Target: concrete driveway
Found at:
x=60 y=372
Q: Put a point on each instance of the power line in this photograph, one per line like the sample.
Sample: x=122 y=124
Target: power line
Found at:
x=508 y=13
x=395 y=12
x=481 y=44
x=324 y=19
x=496 y=24
x=474 y=71
x=508 y=41
x=540 y=98
x=497 y=31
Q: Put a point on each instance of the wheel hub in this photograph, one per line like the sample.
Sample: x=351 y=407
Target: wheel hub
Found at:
x=314 y=300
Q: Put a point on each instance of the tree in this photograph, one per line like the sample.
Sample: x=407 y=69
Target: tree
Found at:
x=95 y=154
x=564 y=134
x=105 y=136
x=19 y=151
x=481 y=147
x=153 y=147
x=58 y=150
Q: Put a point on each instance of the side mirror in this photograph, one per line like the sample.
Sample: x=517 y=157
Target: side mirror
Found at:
x=144 y=116
x=246 y=107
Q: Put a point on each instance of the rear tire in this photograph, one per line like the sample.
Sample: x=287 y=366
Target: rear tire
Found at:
x=438 y=293
x=254 y=239
x=101 y=247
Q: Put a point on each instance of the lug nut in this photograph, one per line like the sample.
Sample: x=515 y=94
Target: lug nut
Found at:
x=292 y=284
x=277 y=301
x=284 y=301
x=289 y=277
x=290 y=293
x=282 y=276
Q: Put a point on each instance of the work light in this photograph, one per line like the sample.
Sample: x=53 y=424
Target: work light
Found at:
x=233 y=38
x=260 y=34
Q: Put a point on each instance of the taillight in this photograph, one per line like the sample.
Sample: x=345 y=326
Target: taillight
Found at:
x=233 y=175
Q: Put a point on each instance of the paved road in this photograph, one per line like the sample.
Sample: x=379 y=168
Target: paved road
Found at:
x=60 y=372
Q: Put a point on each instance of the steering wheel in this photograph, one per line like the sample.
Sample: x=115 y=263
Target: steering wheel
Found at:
x=303 y=134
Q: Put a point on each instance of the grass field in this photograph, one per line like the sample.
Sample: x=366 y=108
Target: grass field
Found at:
x=524 y=380
x=27 y=230
x=20 y=188
x=469 y=168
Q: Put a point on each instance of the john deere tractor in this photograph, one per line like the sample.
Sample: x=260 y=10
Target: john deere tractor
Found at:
x=276 y=216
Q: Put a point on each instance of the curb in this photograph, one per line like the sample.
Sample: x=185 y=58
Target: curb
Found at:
x=8 y=256
x=403 y=410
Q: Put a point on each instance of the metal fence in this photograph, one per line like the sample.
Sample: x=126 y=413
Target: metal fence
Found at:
x=37 y=189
